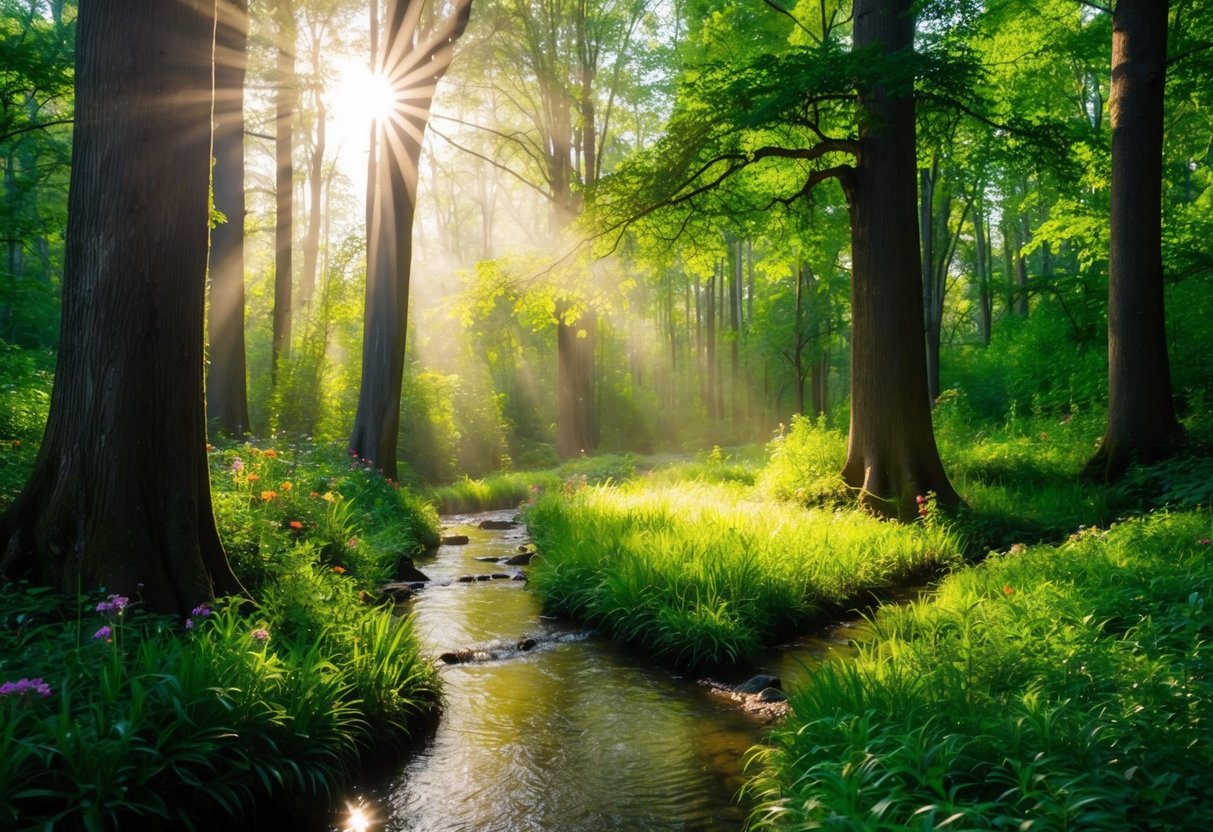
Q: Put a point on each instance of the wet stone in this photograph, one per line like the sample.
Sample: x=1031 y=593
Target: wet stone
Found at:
x=406 y=570
x=520 y=560
x=466 y=579
x=758 y=683
x=498 y=525
x=454 y=540
x=772 y=695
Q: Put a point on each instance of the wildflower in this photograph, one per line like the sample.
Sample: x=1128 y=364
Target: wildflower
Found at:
x=23 y=686
x=271 y=453
x=314 y=494
x=103 y=633
x=237 y=465
x=1204 y=541
x=352 y=543
x=286 y=486
x=339 y=569
x=268 y=495
x=1007 y=590
x=328 y=497
x=16 y=443
x=1018 y=548
x=201 y=611
x=295 y=524
x=260 y=634
x=189 y=623
x=253 y=477
x=113 y=603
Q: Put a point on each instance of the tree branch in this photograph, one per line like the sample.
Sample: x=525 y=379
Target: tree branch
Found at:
x=546 y=195
x=31 y=127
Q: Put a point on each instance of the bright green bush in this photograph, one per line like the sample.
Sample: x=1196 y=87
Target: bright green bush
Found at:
x=805 y=464
x=1053 y=688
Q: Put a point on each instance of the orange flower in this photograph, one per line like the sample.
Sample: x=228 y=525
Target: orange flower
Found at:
x=253 y=477
x=1007 y=590
x=295 y=524
x=271 y=453
x=340 y=570
x=314 y=494
x=286 y=486
x=268 y=495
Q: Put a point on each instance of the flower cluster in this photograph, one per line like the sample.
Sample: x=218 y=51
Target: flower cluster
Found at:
x=114 y=603
x=260 y=634
x=24 y=686
x=196 y=614
x=104 y=633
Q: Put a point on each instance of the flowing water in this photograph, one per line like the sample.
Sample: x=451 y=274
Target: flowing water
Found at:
x=573 y=734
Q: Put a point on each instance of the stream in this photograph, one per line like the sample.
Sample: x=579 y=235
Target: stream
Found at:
x=574 y=734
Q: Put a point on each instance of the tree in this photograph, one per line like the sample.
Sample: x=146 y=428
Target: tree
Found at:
x=757 y=115
x=226 y=387
x=413 y=67
x=120 y=495
x=285 y=182
x=1141 y=415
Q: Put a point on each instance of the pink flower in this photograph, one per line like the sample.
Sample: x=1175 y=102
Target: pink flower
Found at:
x=23 y=686
x=104 y=633
x=260 y=634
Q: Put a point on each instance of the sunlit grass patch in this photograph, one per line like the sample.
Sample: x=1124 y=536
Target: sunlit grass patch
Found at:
x=706 y=576
x=1062 y=687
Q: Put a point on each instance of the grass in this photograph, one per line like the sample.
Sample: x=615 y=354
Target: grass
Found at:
x=511 y=489
x=1053 y=687
x=703 y=575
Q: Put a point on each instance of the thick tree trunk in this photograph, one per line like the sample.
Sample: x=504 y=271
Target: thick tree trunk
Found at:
x=1141 y=415
x=119 y=496
x=226 y=383
x=284 y=221
x=891 y=452
x=315 y=182
x=414 y=72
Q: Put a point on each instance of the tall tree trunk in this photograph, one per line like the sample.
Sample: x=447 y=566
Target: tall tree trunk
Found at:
x=1141 y=415
x=798 y=334
x=227 y=387
x=284 y=183
x=414 y=72
x=891 y=452
x=710 y=342
x=120 y=493
x=735 y=331
x=315 y=182
x=984 y=276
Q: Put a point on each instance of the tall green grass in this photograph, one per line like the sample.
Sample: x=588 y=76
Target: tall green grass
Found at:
x=705 y=576
x=1061 y=687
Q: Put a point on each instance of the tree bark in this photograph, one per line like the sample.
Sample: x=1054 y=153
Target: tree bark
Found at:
x=227 y=387
x=120 y=495
x=1141 y=415
x=891 y=452
x=284 y=184
x=414 y=72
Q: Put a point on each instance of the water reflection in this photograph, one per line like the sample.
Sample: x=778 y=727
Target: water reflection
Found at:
x=573 y=735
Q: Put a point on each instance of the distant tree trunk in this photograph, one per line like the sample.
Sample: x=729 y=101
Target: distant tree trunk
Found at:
x=891 y=452
x=414 y=71
x=735 y=329
x=575 y=353
x=984 y=276
x=284 y=183
x=120 y=494
x=227 y=387
x=1141 y=415
x=315 y=182
x=1019 y=229
x=710 y=342
x=798 y=331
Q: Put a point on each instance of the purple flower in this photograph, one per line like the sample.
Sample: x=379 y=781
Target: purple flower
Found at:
x=260 y=634
x=105 y=632
x=113 y=603
x=189 y=623
x=22 y=686
x=237 y=465
x=201 y=611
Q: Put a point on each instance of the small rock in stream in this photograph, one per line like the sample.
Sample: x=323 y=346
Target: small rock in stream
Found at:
x=526 y=644
x=484 y=577
x=466 y=579
x=501 y=576
x=488 y=559
x=520 y=560
x=406 y=570
x=454 y=540
x=523 y=549
x=772 y=695
x=759 y=683
x=498 y=525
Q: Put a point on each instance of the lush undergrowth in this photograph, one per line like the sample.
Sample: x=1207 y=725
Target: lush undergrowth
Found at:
x=1061 y=687
x=132 y=714
x=704 y=575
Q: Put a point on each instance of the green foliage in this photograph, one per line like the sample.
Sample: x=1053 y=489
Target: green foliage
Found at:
x=144 y=721
x=697 y=574
x=805 y=464
x=1057 y=687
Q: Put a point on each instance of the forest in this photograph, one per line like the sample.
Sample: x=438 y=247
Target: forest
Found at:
x=591 y=415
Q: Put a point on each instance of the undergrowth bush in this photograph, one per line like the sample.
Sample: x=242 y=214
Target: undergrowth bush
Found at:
x=1061 y=687
x=805 y=464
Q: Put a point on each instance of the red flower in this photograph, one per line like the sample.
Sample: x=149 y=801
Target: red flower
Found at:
x=295 y=524
x=1007 y=590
